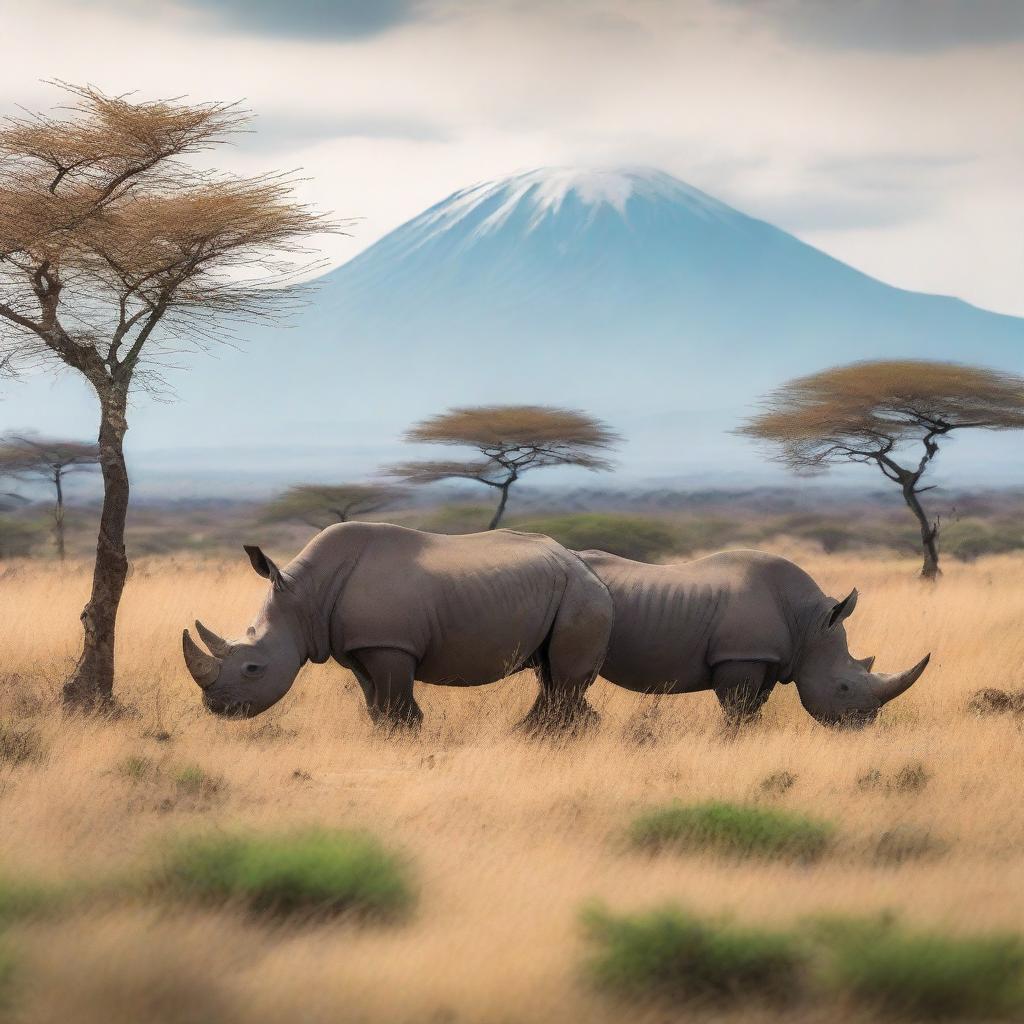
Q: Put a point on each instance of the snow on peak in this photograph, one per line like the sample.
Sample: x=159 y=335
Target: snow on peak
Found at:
x=543 y=192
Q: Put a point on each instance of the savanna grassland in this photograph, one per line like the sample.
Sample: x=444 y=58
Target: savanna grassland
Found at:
x=505 y=840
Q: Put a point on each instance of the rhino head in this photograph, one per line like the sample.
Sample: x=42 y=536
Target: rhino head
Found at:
x=242 y=678
x=837 y=688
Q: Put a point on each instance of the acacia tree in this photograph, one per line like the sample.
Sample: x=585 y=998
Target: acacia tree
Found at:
x=113 y=250
x=892 y=414
x=319 y=505
x=511 y=440
x=52 y=459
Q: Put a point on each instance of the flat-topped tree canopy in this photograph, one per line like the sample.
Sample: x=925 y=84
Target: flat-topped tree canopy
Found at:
x=874 y=412
x=115 y=249
x=512 y=439
x=320 y=505
x=106 y=232
x=856 y=411
x=534 y=434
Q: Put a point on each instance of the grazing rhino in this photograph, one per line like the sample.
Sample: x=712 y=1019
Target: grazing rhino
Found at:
x=738 y=622
x=395 y=605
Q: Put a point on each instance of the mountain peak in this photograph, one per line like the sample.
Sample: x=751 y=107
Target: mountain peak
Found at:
x=532 y=196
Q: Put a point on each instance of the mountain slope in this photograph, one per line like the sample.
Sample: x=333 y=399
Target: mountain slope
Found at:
x=627 y=293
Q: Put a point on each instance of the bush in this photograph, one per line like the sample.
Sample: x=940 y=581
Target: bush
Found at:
x=629 y=536
x=669 y=954
x=734 y=829
x=927 y=975
x=314 y=872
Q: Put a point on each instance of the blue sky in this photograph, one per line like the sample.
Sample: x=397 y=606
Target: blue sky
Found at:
x=887 y=133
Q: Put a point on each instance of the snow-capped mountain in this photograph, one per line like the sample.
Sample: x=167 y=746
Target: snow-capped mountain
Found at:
x=625 y=292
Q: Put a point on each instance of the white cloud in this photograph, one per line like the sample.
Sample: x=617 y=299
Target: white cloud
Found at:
x=905 y=164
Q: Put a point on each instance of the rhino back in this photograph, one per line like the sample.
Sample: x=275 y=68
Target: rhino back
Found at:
x=673 y=623
x=470 y=609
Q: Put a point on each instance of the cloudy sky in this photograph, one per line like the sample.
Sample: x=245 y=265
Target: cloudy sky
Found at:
x=887 y=132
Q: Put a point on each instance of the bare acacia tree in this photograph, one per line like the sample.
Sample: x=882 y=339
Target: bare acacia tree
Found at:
x=511 y=439
x=114 y=249
x=26 y=456
x=320 y=505
x=878 y=413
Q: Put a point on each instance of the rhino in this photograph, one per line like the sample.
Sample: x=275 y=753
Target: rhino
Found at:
x=738 y=622
x=394 y=605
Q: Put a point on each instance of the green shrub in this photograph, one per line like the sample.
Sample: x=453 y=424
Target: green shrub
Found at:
x=927 y=975
x=743 y=831
x=314 y=872
x=670 y=954
x=629 y=536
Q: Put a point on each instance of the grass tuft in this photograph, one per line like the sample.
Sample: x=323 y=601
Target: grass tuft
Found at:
x=742 y=831
x=926 y=975
x=777 y=783
x=669 y=954
x=314 y=872
x=906 y=843
x=911 y=778
x=19 y=745
x=137 y=768
x=192 y=780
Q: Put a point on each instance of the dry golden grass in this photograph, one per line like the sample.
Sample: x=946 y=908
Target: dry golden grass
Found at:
x=507 y=838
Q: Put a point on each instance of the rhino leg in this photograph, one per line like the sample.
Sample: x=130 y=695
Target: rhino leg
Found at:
x=571 y=658
x=386 y=677
x=742 y=687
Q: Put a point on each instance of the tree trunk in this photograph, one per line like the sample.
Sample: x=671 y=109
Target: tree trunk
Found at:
x=500 y=510
x=92 y=683
x=58 y=513
x=929 y=535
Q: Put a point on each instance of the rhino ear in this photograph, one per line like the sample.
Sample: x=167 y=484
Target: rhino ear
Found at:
x=842 y=610
x=263 y=565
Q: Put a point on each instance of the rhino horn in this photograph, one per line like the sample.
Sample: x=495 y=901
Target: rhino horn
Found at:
x=203 y=668
x=868 y=662
x=219 y=647
x=887 y=687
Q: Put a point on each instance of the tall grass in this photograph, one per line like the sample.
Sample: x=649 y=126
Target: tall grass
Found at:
x=508 y=837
